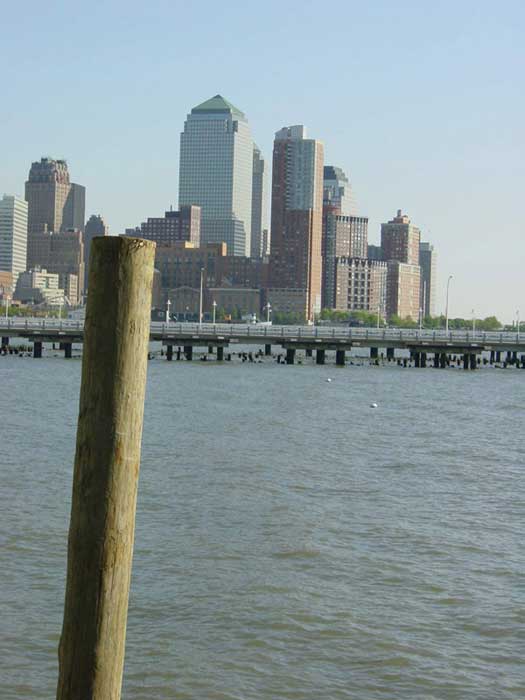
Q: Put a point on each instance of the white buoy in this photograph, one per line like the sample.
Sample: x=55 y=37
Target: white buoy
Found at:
x=373 y=405
x=328 y=380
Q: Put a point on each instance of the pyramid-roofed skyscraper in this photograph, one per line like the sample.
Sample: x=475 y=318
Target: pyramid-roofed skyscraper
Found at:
x=216 y=164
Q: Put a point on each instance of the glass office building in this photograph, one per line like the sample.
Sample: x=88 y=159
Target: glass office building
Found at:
x=216 y=171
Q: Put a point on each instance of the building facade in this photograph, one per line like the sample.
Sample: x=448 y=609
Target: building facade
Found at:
x=39 y=286
x=13 y=235
x=216 y=173
x=343 y=236
x=296 y=222
x=403 y=286
x=259 y=241
x=359 y=285
x=58 y=253
x=337 y=192
x=54 y=203
x=428 y=264
x=95 y=226
x=400 y=240
x=173 y=227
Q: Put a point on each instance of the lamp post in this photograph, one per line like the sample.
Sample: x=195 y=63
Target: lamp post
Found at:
x=6 y=307
x=518 y=324
x=268 y=308
x=214 y=310
x=378 y=312
x=421 y=318
x=446 y=306
x=200 y=296
x=168 y=304
x=473 y=322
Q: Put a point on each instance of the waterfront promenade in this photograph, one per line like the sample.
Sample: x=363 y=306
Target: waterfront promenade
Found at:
x=423 y=345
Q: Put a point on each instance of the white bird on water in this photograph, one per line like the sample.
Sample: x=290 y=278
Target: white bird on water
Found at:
x=373 y=405
x=328 y=380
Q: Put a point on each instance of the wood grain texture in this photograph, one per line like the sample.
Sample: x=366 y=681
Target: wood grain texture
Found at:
x=107 y=459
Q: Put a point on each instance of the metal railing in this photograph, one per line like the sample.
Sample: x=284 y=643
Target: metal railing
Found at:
x=262 y=331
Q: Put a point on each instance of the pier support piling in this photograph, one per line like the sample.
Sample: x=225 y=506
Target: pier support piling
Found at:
x=308 y=352
x=290 y=356
x=220 y=353
x=5 y=341
x=417 y=359
x=268 y=350
x=188 y=352
x=374 y=353
x=473 y=361
x=340 y=358
x=37 y=348
x=169 y=353
x=101 y=533
x=68 y=350
x=390 y=354
x=319 y=356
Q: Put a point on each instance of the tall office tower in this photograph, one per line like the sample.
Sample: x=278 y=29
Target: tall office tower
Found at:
x=400 y=240
x=375 y=252
x=216 y=173
x=297 y=210
x=343 y=236
x=60 y=253
x=13 y=235
x=428 y=264
x=259 y=206
x=95 y=226
x=54 y=203
x=337 y=192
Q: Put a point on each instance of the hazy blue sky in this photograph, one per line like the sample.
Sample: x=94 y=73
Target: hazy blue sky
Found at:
x=421 y=103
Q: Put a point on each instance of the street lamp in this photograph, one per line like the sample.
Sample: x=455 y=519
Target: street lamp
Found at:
x=473 y=322
x=420 y=318
x=200 y=296
x=446 y=307
x=268 y=308
x=6 y=307
x=168 y=304
x=378 y=312
x=518 y=324
x=214 y=310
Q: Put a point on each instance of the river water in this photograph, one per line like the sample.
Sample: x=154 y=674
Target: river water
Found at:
x=291 y=541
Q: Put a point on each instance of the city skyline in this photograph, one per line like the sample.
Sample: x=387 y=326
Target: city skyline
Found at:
x=423 y=136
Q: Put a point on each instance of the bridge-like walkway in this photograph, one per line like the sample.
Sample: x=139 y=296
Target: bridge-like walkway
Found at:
x=419 y=343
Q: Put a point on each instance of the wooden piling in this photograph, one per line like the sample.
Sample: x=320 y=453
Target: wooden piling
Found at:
x=100 y=548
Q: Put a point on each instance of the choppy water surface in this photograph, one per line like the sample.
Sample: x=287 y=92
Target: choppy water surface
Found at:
x=291 y=541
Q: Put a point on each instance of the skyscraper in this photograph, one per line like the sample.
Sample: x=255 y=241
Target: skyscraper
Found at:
x=216 y=173
x=343 y=236
x=54 y=203
x=428 y=264
x=337 y=192
x=297 y=209
x=400 y=240
x=95 y=226
x=13 y=235
x=259 y=245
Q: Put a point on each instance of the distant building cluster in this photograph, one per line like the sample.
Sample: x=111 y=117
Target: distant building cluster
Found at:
x=313 y=255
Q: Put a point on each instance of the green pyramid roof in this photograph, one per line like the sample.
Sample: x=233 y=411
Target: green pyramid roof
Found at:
x=218 y=105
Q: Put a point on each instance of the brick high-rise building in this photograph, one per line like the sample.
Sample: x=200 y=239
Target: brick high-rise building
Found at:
x=428 y=264
x=403 y=288
x=13 y=236
x=359 y=285
x=296 y=228
x=95 y=226
x=216 y=173
x=400 y=240
x=173 y=227
x=343 y=236
x=54 y=203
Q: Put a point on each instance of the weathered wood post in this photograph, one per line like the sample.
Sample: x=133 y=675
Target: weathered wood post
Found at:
x=100 y=548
